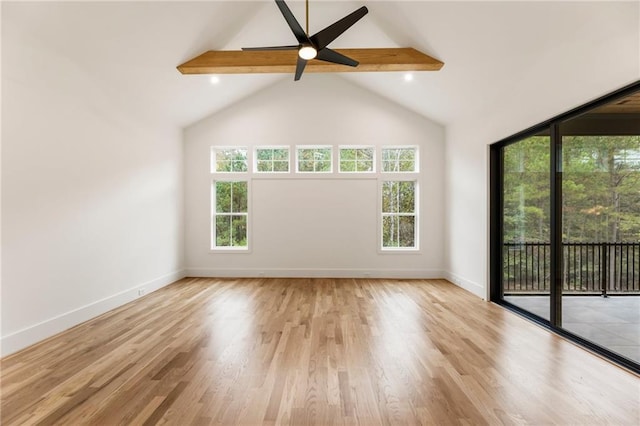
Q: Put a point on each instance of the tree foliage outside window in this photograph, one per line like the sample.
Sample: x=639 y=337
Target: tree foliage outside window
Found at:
x=399 y=159
x=231 y=214
x=399 y=214
x=230 y=160
x=272 y=160
x=314 y=160
x=600 y=189
x=356 y=160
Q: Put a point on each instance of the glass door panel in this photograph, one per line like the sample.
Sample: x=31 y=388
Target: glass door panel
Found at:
x=526 y=244
x=601 y=229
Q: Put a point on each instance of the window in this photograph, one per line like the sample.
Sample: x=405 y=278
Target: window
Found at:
x=229 y=160
x=399 y=159
x=357 y=160
x=399 y=214
x=230 y=214
x=272 y=160
x=314 y=159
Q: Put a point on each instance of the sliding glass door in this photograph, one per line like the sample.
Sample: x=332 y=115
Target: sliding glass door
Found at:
x=565 y=225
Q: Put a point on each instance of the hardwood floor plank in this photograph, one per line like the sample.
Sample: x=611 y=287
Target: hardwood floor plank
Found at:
x=312 y=351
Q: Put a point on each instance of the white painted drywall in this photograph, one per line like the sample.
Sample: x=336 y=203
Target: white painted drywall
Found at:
x=314 y=227
x=91 y=195
x=597 y=51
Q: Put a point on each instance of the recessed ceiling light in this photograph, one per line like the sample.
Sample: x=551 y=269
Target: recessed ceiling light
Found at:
x=408 y=77
x=215 y=79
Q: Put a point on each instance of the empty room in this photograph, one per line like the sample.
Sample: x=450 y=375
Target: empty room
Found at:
x=315 y=212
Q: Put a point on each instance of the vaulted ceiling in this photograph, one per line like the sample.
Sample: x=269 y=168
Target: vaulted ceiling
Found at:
x=494 y=52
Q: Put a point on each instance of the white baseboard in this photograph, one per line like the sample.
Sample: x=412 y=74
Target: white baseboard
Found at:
x=28 y=336
x=315 y=273
x=470 y=286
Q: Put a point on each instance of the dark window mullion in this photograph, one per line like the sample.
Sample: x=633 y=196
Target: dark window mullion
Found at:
x=556 y=227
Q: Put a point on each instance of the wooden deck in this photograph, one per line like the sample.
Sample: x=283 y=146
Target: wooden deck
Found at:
x=313 y=351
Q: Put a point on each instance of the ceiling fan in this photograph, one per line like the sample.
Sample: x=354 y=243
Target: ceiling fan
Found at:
x=313 y=55
x=315 y=46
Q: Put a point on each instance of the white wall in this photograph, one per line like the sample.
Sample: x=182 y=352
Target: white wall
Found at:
x=598 y=53
x=305 y=226
x=91 y=196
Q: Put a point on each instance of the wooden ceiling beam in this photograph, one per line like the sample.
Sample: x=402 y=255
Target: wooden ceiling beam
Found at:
x=284 y=61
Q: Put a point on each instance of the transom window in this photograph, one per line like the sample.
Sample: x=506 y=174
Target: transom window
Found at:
x=272 y=160
x=229 y=160
x=357 y=159
x=231 y=211
x=399 y=214
x=399 y=159
x=314 y=159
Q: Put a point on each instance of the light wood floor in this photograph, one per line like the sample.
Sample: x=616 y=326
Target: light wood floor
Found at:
x=320 y=351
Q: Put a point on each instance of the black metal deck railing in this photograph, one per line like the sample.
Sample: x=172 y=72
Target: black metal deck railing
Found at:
x=588 y=268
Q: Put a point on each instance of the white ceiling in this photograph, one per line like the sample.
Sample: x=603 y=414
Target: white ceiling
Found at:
x=494 y=52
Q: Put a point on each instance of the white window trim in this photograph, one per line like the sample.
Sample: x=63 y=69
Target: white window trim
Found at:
x=399 y=250
x=214 y=162
x=417 y=157
x=212 y=243
x=255 y=158
x=374 y=159
x=331 y=156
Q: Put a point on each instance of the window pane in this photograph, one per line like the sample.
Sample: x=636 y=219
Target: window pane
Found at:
x=223 y=231
x=223 y=197
x=365 y=154
x=347 y=166
x=390 y=226
x=390 y=197
x=281 y=154
x=323 y=154
x=239 y=195
x=265 y=166
x=407 y=154
x=406 y=231
x=264 y=154
x=281 y=166
x=305 y=166
x=365 y=166
x=239 y=231
x=526 y=223
x=347 y=154
x=323 y=166
x=406 y=197
x=407 y=166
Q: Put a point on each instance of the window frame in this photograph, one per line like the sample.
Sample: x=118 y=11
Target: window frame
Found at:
x=357 y=147
x=416 y=214
x=416 y=161
x=214 y=214
x=315 y=147
x=214 y=160
x=271 y=147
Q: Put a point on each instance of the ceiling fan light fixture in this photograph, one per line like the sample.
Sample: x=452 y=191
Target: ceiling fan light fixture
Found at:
x=307 y=52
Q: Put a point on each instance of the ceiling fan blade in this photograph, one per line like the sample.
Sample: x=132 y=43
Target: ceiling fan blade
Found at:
x=296 y=47
x=322 y=38
x=301 y=36
x=300 y=68
x=329 y=55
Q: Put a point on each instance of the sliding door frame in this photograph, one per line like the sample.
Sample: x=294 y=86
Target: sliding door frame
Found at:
x=496 y=232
